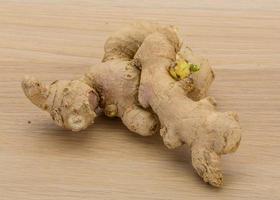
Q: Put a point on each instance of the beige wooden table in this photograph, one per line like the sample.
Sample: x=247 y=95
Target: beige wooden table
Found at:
x=60 y=39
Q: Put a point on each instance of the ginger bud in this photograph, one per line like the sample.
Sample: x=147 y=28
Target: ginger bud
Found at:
x=182 y=69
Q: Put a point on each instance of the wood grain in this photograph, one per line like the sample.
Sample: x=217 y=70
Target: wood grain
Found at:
x=60 y=39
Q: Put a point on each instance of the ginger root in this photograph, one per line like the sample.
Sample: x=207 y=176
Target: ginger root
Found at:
x=206 y=132
x=147 y=80
x=71 y=104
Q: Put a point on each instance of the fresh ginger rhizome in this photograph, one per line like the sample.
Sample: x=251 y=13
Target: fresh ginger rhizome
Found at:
x=154 y=85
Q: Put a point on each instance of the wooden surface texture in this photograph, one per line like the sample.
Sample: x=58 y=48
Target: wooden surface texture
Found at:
x=60 y=39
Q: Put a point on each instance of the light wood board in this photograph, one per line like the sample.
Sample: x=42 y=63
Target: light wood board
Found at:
x=60 y=39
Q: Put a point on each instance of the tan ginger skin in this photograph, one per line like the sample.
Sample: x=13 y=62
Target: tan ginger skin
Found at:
x=132 y=82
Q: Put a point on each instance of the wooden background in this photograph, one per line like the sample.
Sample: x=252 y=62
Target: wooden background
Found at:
x=60 y=39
